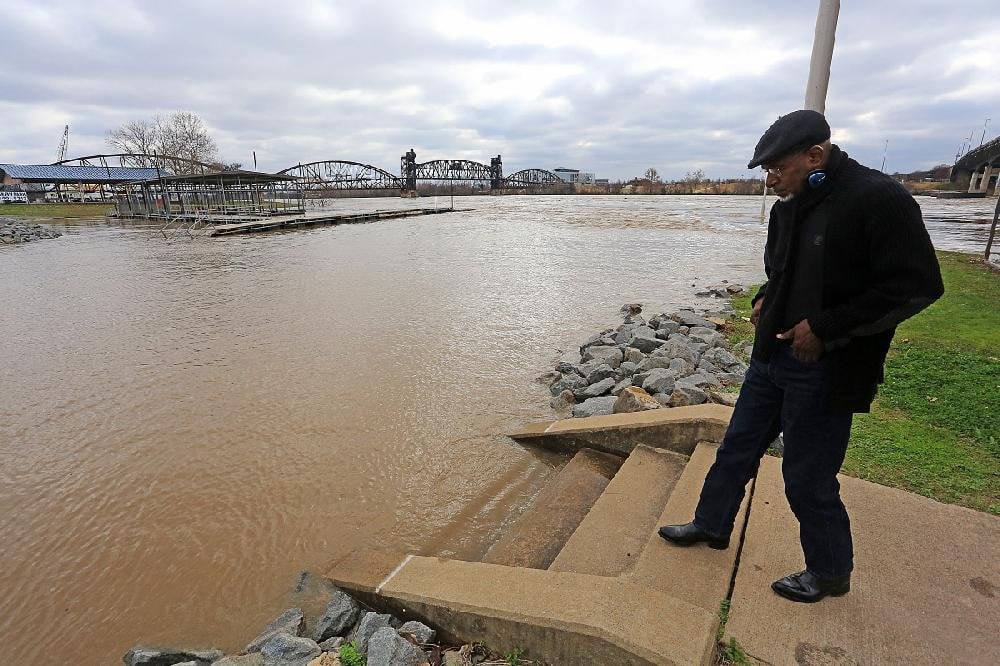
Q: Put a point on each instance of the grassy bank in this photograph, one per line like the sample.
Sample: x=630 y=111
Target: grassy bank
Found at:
x=55 y=210
x=935 y=424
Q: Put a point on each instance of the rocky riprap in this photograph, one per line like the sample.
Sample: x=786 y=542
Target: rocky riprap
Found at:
x=335 y=635
x=668 y=360
x=12 y=232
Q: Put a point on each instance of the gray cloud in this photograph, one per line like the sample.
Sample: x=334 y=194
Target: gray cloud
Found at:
x=613 y=88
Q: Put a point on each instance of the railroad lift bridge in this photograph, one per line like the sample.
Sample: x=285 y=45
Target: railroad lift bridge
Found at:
x=347 y=175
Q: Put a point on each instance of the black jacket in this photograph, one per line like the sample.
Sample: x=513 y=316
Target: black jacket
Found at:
x=879 y=268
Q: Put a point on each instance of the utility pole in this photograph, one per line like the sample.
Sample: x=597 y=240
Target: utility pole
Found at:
x=822 y=55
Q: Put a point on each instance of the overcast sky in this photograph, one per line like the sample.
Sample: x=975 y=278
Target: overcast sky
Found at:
x=610 y=87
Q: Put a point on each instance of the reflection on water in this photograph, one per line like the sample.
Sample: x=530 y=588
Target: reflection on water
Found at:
x=187 y=424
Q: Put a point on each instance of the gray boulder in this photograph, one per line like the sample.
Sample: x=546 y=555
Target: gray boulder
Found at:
x=286 y=650
x=651 y=362
x=387 y=648
x=645 y=344
x=369 y=624
x=667 y=326
x=709 y=336
x=633 y=355
x=621 y=386
x=600 y=373
x=594 y=390
x=595 y=407
x=676 y=348
x=563 y=400
x=728 y=399
x=624 y=333
x=631 y=309
x=252 y=659
x=604 y=354
x=626 y=369
x=682 y=396
x=568 y=383
x=731 y=378
x=707 y=367
x=340 y=615
x=418 y=630
x=549 y=378
x=690 y=318
x=720 y=357
x=291 y=622
x=700 y=380
x=565 y=368
x=659 y=380
x=681 y=366
x=148 y=656
x=332 y=644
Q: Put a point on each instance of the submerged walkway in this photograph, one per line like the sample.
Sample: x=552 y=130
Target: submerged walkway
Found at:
x=926 y=589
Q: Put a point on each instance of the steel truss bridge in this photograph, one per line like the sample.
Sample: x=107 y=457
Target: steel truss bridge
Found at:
x=347 y=175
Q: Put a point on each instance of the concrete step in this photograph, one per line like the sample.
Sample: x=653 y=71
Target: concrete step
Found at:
x=696 y=574
x=539 y=534
x=610 y=539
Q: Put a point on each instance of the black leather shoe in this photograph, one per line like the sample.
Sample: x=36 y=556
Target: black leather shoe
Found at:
x=685 y=535
x=807 y=587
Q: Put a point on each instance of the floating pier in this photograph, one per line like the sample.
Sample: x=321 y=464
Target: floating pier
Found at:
x=315 y=220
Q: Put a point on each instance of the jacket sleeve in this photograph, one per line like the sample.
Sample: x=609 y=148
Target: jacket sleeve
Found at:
x=767 y=264
x=904 y=276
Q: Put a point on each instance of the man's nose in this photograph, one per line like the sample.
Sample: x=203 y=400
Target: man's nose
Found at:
x=770 y=179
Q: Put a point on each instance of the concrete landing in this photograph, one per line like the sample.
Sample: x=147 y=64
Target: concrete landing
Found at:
x=676 y=429
x=926 y=587
x=538 y=535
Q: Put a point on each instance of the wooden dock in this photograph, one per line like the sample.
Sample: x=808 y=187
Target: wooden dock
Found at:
x=317 y=219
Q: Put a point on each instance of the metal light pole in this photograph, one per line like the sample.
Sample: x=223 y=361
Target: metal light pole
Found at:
x=984 y=133
x=822 y=55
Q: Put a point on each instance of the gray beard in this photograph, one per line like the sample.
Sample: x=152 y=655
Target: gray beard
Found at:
x=786 y=198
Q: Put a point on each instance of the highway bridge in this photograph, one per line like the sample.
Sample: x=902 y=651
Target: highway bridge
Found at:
x=979 y=168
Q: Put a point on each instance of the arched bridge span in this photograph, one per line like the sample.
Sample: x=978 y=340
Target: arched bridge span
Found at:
x=343 y=175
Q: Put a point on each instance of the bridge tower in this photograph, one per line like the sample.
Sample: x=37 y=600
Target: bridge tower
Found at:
x=496 y=174
x=408 y=173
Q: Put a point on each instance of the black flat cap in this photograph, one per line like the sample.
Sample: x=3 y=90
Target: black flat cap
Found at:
x=792 y=132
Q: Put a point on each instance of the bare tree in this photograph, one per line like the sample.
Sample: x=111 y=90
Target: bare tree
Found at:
x=182 y=134
x=652 y=175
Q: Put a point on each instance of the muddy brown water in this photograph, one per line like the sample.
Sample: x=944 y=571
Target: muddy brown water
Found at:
x=185 y=425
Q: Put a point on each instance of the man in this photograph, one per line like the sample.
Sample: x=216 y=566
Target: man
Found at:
x=847 y=259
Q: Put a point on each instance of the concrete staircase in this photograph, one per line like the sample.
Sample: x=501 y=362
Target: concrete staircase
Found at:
x=582 y=577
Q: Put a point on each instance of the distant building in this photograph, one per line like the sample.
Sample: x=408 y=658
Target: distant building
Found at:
x=12 y=194
x=574 y=176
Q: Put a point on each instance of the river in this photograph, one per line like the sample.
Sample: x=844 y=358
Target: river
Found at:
x=187 y=424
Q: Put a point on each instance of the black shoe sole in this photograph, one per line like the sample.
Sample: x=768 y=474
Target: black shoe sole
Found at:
x=716 y=544
x=793 y=596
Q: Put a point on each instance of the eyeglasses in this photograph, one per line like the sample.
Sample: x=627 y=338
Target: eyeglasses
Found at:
x=771 y=171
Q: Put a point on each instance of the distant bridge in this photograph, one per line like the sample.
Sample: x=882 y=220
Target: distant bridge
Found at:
x=347 y=175
x=979 y=168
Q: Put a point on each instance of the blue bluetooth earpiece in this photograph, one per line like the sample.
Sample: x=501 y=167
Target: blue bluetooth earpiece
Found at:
x=816 y=179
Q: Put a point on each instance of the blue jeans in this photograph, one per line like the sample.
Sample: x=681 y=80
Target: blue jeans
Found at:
x=786 y=396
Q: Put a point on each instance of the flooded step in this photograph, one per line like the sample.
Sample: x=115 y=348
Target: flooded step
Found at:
x=696 y=574
x=613 y=534
x=539 y=534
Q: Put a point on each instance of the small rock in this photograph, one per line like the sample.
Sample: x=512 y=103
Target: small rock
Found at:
x=369 y=624
x=720 y=357
x=286 y=650
x=645 y=344
x=663 y=399
x=707 y=367
x=387 y=648
x=600 y=373
x=563 y=400
x=331 y=644
x=594 y=390
x=730 y=378
x=147 y=656
x=659 y=380
x=626 y=369
x=568 y=383
x=633 y=355
x=634 y=399
x=621 y=386
x=604 y=354
x=718 y=397
x=549 y=378
x=631 y=309
x=682 y=367
x=418 y=630
x=690 y=318
x=683 y=396
x=708 y=336
x=778 y=445
x=340 y=615
x=567 y=368
x=652 y=362
x=700 y=380
x=291 y=622
x=595 y=407
x=252 y=659
x=325 y=659
x=677 y=348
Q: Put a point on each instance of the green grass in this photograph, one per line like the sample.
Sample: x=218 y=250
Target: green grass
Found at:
x=934 y=428
x=55 y=210
x=935 y=424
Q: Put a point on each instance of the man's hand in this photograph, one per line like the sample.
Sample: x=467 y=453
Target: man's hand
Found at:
x=806 y=347
x=755 y=315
